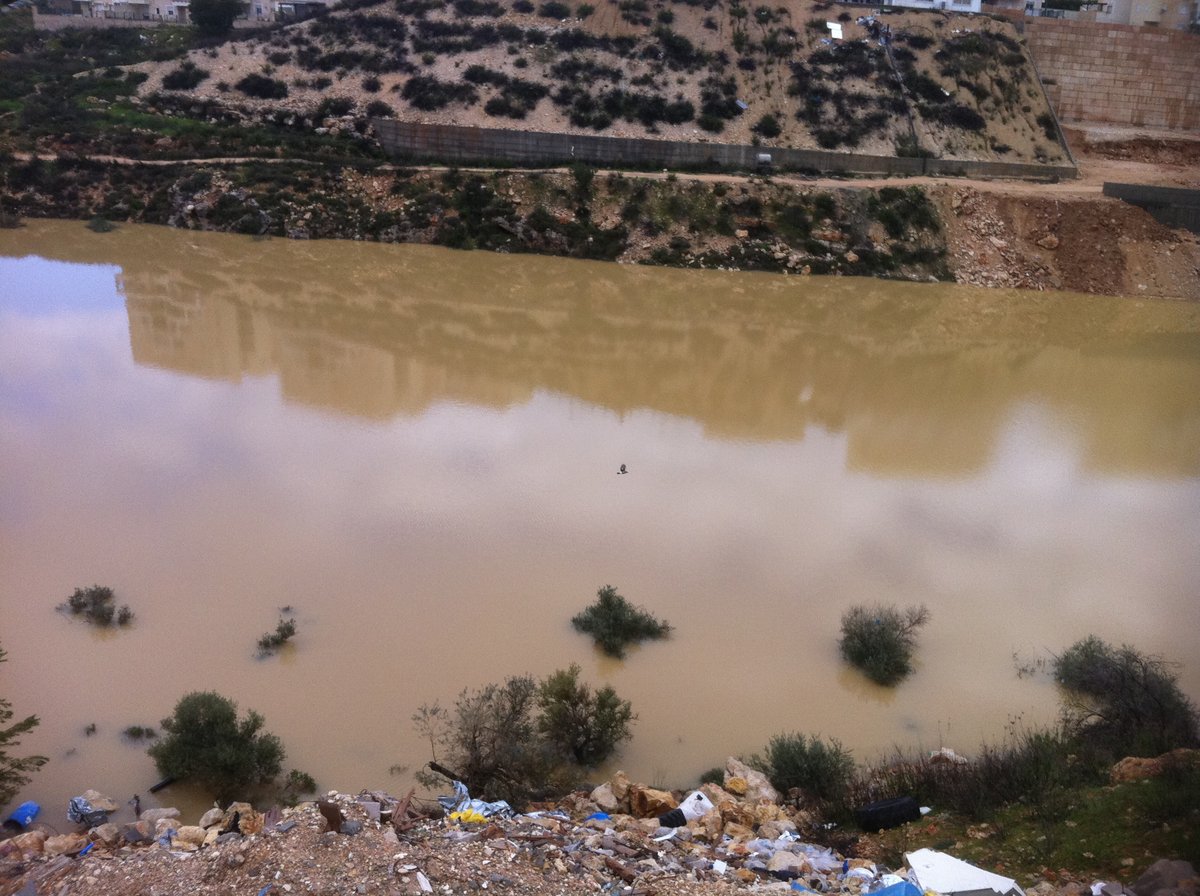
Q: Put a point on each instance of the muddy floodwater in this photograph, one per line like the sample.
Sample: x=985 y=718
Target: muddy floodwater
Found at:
x=417 y=450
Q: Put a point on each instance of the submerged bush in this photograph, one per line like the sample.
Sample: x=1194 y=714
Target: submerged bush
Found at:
x=879 y=640
x=207 y=745
x=272 y=641
x=97 y=605
x=1124 y=701
x=614 y=623
x=584 y=726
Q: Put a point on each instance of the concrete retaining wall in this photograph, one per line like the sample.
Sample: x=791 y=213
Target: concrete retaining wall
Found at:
x=1169 y=205
x=455 y=143
x=1121 y=74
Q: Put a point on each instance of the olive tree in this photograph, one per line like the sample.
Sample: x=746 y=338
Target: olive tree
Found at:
x=207 y=744
x=14 y=771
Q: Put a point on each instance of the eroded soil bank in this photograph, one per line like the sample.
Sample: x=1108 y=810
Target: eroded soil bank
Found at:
x=968 y=232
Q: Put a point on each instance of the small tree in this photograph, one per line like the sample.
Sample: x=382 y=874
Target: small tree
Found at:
x=14 y=772
x=614 y=623
x=214 y=17
x=880 y=640
x=1124 y=701
x=584 y=726
x=206 y=743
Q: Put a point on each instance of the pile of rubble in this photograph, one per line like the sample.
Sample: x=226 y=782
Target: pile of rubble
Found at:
x=623 y=839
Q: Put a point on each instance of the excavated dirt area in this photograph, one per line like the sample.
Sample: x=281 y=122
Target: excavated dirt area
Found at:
x=1068 y=235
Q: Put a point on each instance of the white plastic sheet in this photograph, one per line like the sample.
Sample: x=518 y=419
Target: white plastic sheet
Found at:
x=953 y=877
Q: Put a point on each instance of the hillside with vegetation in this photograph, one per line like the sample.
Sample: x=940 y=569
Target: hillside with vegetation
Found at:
x=910 y=83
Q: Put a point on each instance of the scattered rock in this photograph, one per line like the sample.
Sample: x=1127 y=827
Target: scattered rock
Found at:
x=108 y=834
x=646 y=802
x=152 y=816
x=1167 y=877
x=64 y=844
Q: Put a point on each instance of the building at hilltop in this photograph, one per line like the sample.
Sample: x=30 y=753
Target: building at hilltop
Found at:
x=963 y=6
x=176 y=11
x=1176 y=14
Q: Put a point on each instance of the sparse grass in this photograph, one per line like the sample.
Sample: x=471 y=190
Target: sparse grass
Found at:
x=614 y=623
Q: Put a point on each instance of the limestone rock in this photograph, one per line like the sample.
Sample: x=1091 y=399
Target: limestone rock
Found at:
x=23 y=846
x=645 y=802
x=165 y=827
x=1049 y=241
x=620 y=786
x=604 y=798
x=153 y=815
x=211 y=817
x=758 y=788
x=137 y=832
x=243 y=818
x=773 y=830
x=852 y=257
x=736 y=831
x=737 y=785
x=99 y=802
x=1135 y=768
x=64 y=844
x=108 y=834
x=191 y=834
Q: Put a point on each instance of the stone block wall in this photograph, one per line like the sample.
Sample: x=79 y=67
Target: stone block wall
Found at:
x=456 y=143
x=1119 y=74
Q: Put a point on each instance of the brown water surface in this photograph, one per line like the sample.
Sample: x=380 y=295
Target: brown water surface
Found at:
x=417 y=449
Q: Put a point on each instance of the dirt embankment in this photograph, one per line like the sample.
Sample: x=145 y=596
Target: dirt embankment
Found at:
x=1060 y=236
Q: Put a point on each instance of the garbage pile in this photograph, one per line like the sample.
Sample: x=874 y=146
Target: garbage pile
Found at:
x=621 y=839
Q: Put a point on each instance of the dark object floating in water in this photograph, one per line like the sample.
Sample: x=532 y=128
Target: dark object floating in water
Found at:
x=165 y=782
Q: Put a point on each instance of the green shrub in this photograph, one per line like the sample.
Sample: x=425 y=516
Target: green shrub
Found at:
x=187 y=76
x=880 y=640
x=296 y=785
x=584 y=726
x=14 y=772
x=768 y=126
x=614 y=623
x=427 y=93
x=262 y=87
x=554 y=9
x=139 y=732
x=207 y=745
x=822 y=770
x=1124 y=701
